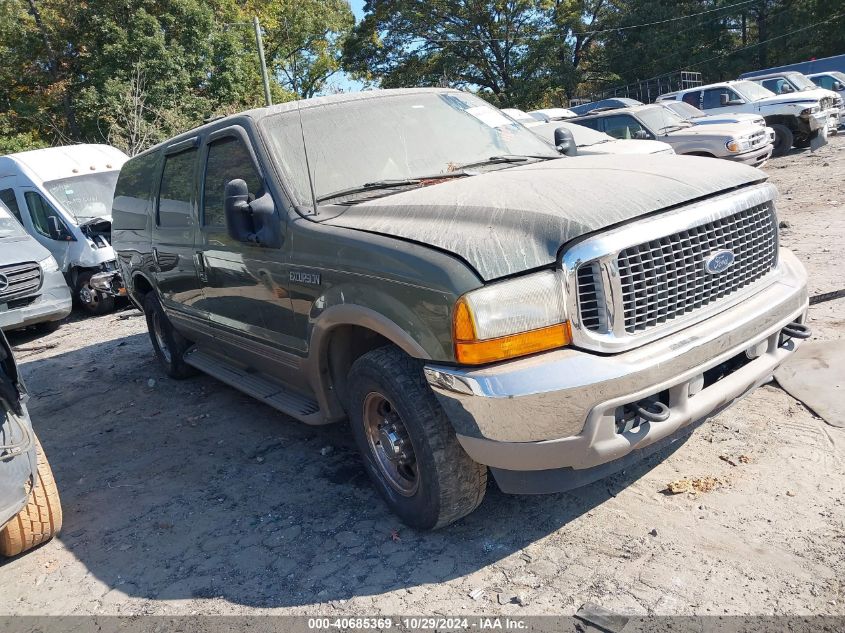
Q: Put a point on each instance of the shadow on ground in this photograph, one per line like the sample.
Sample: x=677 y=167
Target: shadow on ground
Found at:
x=189 y=489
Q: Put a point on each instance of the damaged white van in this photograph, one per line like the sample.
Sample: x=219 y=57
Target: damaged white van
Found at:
x=62 y=196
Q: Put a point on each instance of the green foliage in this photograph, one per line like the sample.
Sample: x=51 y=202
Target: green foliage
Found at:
x=541 y=52
x=304 y=40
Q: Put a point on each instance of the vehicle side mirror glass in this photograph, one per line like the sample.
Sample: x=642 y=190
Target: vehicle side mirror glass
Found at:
x=837 y=86
x=724 y=99
x=641 y=135
x=565 y=142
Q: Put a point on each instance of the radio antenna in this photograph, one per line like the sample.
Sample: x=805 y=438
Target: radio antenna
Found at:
x=301 y=125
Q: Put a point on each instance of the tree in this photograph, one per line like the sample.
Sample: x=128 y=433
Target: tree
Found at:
x=304 y=40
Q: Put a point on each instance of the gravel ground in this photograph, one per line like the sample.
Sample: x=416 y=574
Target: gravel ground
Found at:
x=188 y=497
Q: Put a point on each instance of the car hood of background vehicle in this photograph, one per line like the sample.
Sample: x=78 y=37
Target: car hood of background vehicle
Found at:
x=516 y=219
x=15 y=250
x=716 y=130
x=629 y=146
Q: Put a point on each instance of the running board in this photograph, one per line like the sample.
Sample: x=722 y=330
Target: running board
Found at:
x=253 y=384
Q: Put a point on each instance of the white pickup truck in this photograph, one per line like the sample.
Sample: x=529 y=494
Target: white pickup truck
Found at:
x=796 y=118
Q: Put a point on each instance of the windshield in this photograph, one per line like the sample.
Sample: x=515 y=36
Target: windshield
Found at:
x=392 y=137
x=685 y=110
x=800 y=82
x=9 y=226
x=659 y=119
x=752 y=91
x=85 y=197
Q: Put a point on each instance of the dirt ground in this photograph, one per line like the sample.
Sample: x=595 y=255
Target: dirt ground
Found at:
x=190 y=498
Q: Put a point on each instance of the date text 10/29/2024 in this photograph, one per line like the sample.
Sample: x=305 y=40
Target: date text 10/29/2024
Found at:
x=422 y=623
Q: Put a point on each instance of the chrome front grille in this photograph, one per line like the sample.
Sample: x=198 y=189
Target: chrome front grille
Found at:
x=666 y=278
x=647 y=278
x=591 y=297
x=759 y=138
x=19 y=279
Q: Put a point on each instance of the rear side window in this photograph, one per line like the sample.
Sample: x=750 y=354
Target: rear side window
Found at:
x=8 y=198
x=228 y=159
x=133 y=192
x=176 y=194
x=693 y=98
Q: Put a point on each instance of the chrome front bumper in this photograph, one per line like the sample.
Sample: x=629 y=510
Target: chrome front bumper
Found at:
x=557 y=410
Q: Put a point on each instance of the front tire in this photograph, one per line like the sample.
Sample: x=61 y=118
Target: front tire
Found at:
x=408 y=445
x=41 y=519
x=168 y=344
x=783 y=140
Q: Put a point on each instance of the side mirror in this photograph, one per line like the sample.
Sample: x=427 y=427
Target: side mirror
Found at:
x=57 y=229
x=837 y=86
x=254 y=221
x=565 y=142
x=236 y=208
x=724 y=99
x=641 y=135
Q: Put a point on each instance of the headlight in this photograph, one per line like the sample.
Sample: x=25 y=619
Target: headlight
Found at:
x=49 y=265
x=738 y=145
x=510 y=319
x=809 y=111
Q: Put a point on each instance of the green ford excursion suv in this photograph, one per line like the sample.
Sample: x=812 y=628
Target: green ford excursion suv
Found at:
x=418 y=264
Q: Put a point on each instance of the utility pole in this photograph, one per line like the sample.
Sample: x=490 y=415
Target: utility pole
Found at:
x=260 y=44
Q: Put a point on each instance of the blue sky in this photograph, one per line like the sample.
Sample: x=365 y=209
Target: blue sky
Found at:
x=341 y=80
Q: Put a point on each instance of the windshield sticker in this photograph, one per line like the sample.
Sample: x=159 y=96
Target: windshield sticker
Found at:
x=490 y=117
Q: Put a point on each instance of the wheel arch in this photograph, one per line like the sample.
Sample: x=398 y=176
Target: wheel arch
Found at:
x=341 y=335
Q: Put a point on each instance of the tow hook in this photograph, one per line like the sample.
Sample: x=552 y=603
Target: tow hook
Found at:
x=652 y=410
x=797 y=330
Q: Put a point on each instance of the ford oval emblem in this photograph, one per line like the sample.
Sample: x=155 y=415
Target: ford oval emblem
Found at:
x=719 y=262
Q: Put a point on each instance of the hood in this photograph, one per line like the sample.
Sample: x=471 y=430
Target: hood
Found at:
x=15 y=250
x=513 y=220
x=717 y=119
x=628 y=146
x=718 y=131
x=809 y=97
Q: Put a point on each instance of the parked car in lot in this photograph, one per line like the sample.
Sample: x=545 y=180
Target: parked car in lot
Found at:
x=796 y=119
x=835 y=82
x=462 y=294
x=554 y=114
x=523 y=117
x=790 y=82
x=743 y=143
x=699 y=117
x=589 y=142
x=605 y=104
x=30 y=510
x=32 y=289
x=62 y=196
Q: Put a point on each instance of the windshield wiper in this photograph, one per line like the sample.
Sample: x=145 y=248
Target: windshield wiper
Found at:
x=390 y=184
x=505 y=158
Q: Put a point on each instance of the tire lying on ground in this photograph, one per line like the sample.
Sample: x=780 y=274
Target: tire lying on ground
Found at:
x=41 y=519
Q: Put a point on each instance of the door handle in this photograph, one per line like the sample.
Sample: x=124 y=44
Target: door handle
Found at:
x=155 y=257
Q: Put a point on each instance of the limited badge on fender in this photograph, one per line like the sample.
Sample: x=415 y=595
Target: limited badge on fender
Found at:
x=719 y=261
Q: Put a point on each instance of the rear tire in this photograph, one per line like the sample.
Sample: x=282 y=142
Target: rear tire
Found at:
x=437 y=481
x=783 y=140
x=41 y=519
x=168 y=344
x=92 y=301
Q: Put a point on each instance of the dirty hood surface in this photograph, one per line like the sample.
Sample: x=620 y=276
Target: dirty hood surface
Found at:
x=516 y=219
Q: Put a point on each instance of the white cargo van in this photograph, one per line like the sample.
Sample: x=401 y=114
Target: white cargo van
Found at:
x=62 y=196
